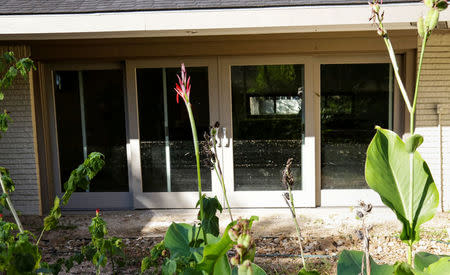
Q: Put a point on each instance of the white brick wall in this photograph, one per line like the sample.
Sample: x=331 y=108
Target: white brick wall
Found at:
x=17 y=144
x=434 y=91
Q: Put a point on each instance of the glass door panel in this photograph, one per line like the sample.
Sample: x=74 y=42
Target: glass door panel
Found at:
x=268 y=124
x=90 y=117
x=167 y=153
x=354 y=98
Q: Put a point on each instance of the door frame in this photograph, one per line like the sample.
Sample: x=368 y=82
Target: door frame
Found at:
x=334 y=197
x=79 y=200
x=303 y=198
x=164 y=199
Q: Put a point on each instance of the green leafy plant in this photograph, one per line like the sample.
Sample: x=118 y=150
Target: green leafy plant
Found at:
x=21 y=246
x=394 y=168
x=192 y=249
x=18 y=253
x=101 y=248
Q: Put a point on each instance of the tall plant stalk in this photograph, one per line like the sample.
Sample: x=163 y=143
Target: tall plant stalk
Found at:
x=425 y=27
x=183 y=89
x=11 y=206
x=197 y=155
x=217 y=167
x=288 y=181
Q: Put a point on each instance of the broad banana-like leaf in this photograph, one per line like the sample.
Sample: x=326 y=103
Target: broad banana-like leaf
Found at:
x=388 y=173
x=424 y=259
x=349 y=263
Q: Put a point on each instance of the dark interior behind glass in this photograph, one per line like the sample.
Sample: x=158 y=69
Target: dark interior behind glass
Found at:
x=104 y=110
x=354 y=98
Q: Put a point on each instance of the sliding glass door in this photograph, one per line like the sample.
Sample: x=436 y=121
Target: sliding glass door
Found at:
x=164 y=156
x=266 y=100
x=356 y=94
x=87 y=103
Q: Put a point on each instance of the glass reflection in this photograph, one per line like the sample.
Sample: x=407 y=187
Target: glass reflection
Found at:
x=267 y=124
x=167 y=153
x=354 y=98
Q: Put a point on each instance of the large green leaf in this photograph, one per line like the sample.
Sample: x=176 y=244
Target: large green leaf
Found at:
x=256 y=270
x=441 y=267
x=210 y=222
x=222 y=266
x=178 y=240
x=213 y=253
x=349 y=263
x=308 y=272
x=423 y=259
x=388 y=173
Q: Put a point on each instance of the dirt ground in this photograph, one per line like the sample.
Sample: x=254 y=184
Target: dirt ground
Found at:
x=326 y=232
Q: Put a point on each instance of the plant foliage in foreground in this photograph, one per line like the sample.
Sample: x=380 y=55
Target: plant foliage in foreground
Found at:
x=18 y=252
x=397 y=172
x=192 y=249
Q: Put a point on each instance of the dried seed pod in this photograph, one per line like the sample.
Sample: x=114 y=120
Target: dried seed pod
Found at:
x=234 y=260
x=245 y=240
x=359 y=214
x=288 y=178
x=233 y=235
x=367 y=208
x=360 y=234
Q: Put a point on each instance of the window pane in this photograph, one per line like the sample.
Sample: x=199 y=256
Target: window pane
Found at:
x=267 y=124
x=105 y=127
x=95 y=108
x=156 y=142
x=68 y=122
x=354 y=98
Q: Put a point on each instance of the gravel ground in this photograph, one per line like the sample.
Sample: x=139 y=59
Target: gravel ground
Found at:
x=326 y=232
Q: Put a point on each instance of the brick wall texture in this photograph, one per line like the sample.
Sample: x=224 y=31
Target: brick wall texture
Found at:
x=433 y=111
x=17 y=152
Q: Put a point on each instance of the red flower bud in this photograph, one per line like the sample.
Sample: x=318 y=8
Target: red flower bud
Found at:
x=183 y=87
x=1 y=216
x=97 y=211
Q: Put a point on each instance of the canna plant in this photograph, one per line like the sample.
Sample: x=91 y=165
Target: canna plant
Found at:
x=394 y=167
x=188 y=249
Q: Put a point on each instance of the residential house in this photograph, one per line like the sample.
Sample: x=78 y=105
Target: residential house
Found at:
x=285 y=78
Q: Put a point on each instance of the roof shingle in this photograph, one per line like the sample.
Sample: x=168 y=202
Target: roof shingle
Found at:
x=10 y=7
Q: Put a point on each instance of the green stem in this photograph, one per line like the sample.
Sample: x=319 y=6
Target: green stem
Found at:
x=220 y=176
x=11 y=206
x=297 y=227
x=197 y=158
x=40 y=237
x=224 y=190
x=410 y=250
x=197 y=155
x=416 y=89
x=397 y=73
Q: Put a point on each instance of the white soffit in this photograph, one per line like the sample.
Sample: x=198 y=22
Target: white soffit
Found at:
x=207 y=22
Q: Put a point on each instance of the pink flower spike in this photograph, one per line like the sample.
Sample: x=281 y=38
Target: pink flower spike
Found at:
x=188 y=87
x=183 y=87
